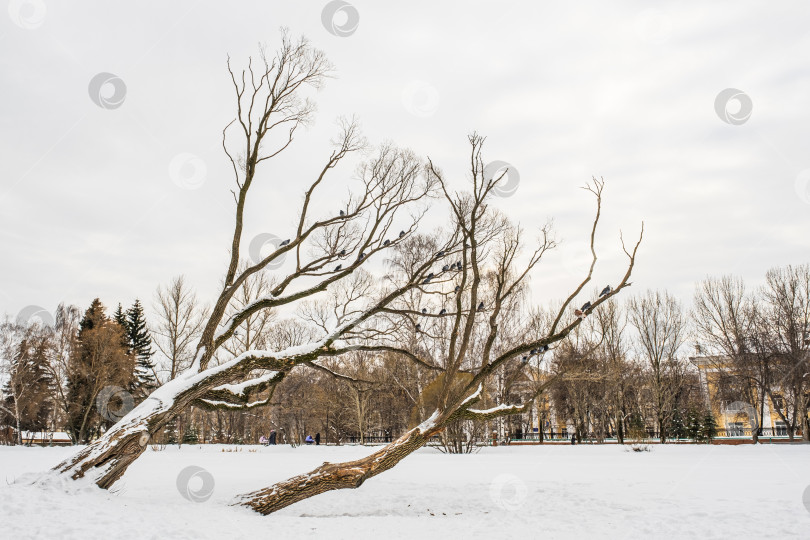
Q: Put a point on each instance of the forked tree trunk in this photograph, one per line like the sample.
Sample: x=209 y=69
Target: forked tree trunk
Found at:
x=104 y=461
x=331 y=476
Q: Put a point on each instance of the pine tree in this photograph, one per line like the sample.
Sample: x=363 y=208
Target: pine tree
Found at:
x=29 y=386
x=140 y=343
x=678 y=428
x=694 y=427
x=708 y=427
x=190 y=436
x=98 y=360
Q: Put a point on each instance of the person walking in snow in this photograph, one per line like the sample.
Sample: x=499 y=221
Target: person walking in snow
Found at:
x=272 y=438
x=317 y=438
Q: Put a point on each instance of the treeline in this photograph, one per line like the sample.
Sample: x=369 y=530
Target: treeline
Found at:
x=625 y=372
x=56 y=377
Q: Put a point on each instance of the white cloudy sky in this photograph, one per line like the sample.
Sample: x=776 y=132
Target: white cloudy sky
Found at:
x=563 y=92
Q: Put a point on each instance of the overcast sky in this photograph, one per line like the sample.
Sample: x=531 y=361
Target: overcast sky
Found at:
x=92 y=205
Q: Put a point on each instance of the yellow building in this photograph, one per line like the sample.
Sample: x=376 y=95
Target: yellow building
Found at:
x=736 y=418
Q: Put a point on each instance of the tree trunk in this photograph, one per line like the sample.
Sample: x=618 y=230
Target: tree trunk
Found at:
x=331 y=476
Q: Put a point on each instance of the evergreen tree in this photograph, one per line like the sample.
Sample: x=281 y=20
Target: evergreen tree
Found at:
x=678 y=429
x=190 y=436
x=708 y=427
x=140 y=343
x=693 y=426
x=98 y=360
x=29 y=387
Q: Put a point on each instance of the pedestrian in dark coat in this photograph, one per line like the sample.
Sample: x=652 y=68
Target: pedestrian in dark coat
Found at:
x=272 y=438
x=317 y=438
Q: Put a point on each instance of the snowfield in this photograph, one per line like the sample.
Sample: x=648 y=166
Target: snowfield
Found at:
x=547 y=491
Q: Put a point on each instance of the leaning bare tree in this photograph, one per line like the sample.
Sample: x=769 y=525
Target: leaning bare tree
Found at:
x=472 y=276
x=271 y=107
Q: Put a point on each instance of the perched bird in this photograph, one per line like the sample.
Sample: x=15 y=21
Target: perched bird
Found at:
x=342 y=213
x=545 y=348
x=442 y=312
x=426 y=281
x=605 y=291
x=424 y=310
x=338 y=267
x=578 y=313
x=342 y=253
x=585 y=306
x=533 y=352
x=481 y=306
x=386 y=242
x=430 y=275
x=401 y=234
x=440 y=254
x=361 y=256
x=284 y=243
x=445 y=268
x=418 y=327
x=458 y=288
x=525 y=359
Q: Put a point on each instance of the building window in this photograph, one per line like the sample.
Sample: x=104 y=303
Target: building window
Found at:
x=735 y=429
x=781 y=429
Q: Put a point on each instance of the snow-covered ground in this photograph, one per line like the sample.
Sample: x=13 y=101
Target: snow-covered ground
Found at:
x=508 y=492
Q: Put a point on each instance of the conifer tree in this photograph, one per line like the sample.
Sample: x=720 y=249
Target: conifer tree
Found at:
x=140 y=343
x=29 y=387
x=98 y=361
x=708 y=427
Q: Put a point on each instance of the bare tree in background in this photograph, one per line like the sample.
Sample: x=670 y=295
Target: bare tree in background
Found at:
x=661 y=325
x=177 y=326
x=786 y=318
x=727 y=323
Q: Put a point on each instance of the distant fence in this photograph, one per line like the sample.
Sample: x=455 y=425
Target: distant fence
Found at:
x=731 y=433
